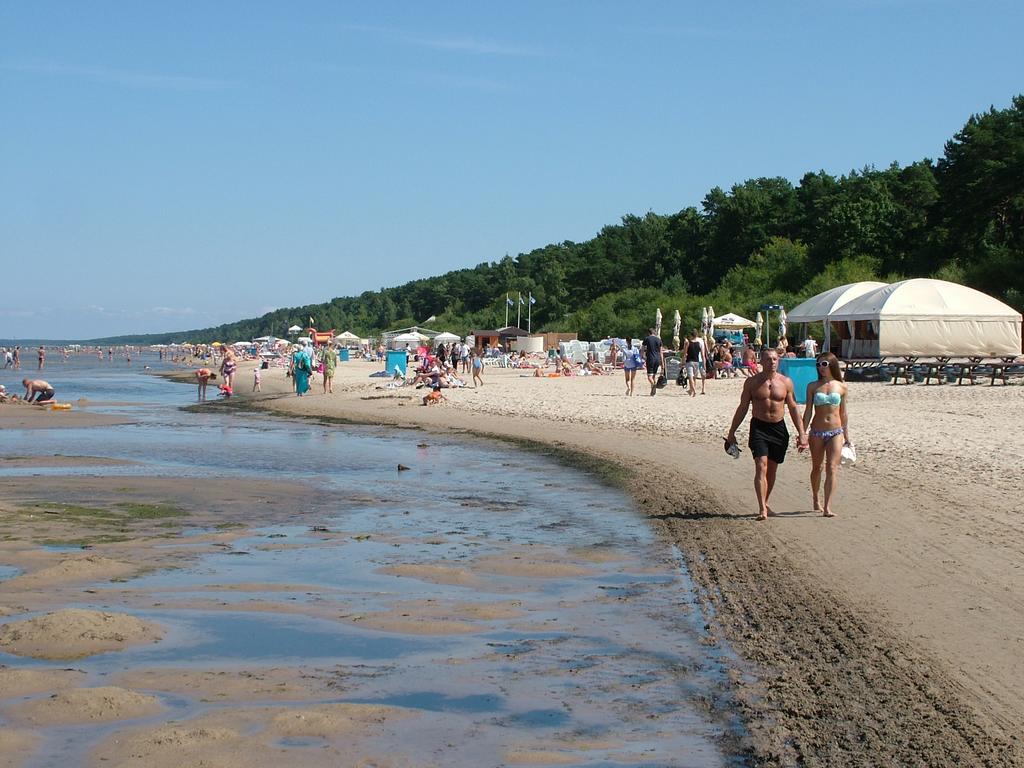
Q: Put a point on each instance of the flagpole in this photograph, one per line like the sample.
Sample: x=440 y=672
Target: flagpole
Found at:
x=506 y=310
x=519 y=309
x=529 y=315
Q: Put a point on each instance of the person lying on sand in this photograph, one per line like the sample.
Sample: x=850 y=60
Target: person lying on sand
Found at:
x=42 y=391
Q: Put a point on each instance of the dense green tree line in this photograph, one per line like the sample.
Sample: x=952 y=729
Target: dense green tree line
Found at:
x=763 y=240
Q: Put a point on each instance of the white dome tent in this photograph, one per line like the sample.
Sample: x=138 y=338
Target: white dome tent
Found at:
x=818 y=308
x=928 y=318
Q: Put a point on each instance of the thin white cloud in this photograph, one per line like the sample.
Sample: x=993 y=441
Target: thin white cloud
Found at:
x=454 y=81
x=478 y=46
x=473 y=45
x=120 y=76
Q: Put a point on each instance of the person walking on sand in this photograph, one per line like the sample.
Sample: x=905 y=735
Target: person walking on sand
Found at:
x=302 y=368
x=329 y=361
x=228 y=366
x=654 y=358
x=257 y=380
x=478 y=369
x=41 y=390
x=632 y=361
x=693 y=359
x=826 y=421
x=771 y=395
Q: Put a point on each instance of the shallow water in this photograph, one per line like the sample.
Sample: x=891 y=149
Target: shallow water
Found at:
x=613 y=652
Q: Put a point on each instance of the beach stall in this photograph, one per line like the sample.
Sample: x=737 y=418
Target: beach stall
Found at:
x=729 y=326
x=818 y=308
x=446 y=337
x=530 y=344
x=927 y=318
x=410 y=339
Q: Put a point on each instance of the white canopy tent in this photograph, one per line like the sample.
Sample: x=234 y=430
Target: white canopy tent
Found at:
x=446 y=338
x=403 y=339
x=732 y=322
x=294 y=329
x=818 y=308
x=347 y=336
x=928 y=318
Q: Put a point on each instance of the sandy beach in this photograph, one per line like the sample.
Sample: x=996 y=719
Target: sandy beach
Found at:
x=891 y=634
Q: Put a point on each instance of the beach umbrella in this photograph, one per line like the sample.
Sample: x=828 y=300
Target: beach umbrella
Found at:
x=758 y=325
x=676 y=322
x=782 y=323
x=657 y=322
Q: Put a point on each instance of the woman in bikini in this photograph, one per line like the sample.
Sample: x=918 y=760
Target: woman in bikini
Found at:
x=827 y=428
x=228 y=366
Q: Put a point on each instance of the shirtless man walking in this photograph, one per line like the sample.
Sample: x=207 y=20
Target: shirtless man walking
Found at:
x=771 y=394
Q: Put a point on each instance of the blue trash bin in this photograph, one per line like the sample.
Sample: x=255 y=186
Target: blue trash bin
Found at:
x=802 y=371
x=396 y=359
x=343 y=354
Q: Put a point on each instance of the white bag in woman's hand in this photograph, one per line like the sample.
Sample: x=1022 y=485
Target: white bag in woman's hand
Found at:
x=849 y=455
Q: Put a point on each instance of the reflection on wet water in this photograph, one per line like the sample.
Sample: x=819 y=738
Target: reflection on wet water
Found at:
x=572 y=620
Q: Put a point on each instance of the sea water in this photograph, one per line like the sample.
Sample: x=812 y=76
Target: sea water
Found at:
x=614 y=654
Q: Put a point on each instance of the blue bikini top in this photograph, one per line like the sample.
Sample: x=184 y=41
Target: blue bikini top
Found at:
x=827 y=398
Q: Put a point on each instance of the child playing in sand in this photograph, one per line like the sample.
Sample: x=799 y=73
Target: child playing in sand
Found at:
x=434 y=397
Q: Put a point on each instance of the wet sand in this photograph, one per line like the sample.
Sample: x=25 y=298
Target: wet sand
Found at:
x=25 y=416
x=437 y=645
x=887 y=636
x=891 y=634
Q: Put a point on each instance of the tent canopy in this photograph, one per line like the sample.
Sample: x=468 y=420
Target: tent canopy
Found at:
x=924 y=317
x=410 y=338
x=348 y=336
x=294 y=329
x=732 y=322
x=818 y=308
x=925 y=299
x=446 y=337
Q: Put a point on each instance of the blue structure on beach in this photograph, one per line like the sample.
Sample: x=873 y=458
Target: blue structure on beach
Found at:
x=802 y=371
x=396 y=359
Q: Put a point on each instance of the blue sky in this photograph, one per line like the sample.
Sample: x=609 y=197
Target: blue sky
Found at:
x=173 y=166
